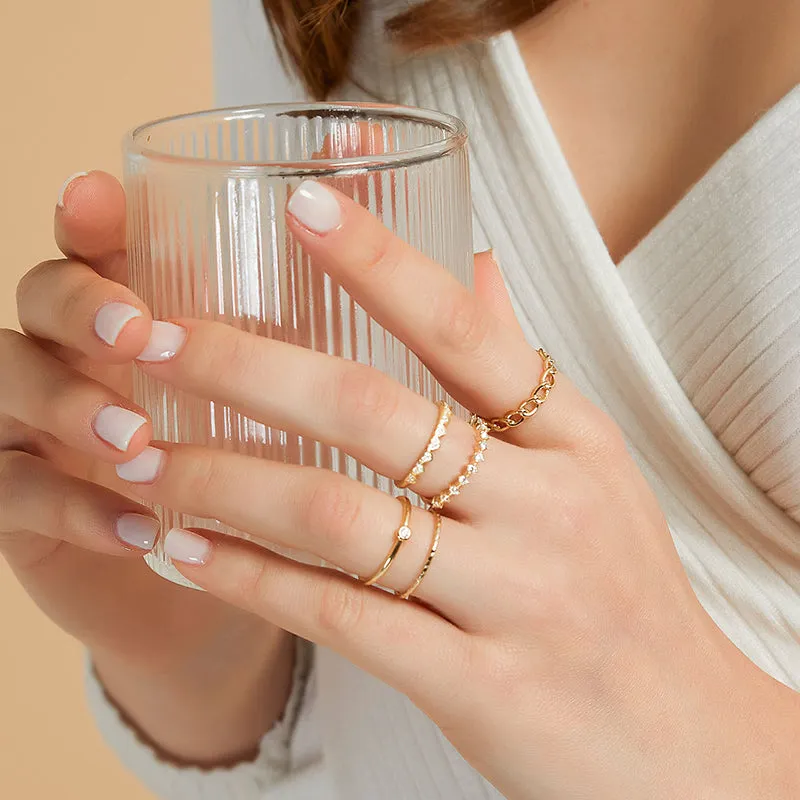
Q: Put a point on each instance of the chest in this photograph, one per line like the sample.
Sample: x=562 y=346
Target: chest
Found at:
x=645 y=97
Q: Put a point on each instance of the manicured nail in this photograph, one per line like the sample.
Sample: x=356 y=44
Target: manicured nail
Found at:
x=144 y=468
x=117 y=426
x=187 y=547
x=112 y=318
x=66 y=185
x=166 y=339
x=137 y=530
x=315 y=207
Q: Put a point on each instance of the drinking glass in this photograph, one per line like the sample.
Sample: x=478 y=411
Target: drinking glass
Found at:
x=207 y=239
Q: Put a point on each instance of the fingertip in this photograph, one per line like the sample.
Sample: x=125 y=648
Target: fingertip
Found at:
x=67 y=187
x=90 y=216
x=123 y=329
x=315 y=207
x=82 y=191
x=139 y=441
x=137 y=532
x=125 y=432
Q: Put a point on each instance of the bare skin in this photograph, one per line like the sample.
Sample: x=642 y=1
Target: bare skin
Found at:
x=644 y=97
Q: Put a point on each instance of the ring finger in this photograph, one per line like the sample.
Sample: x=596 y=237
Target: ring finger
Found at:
x=323 y=513
x=342 y=403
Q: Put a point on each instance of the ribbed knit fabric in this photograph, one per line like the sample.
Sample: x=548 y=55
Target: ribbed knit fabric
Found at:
x=691 y=345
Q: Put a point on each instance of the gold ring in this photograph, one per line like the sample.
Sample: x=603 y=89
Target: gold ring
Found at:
x=463 y=478
x=401 y=536
x=530 y=406
x=434 y=443
x=437 y=529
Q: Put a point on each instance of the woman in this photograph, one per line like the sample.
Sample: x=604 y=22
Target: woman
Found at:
x=612 y=610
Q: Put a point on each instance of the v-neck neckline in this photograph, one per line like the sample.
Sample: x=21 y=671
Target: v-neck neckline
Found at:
x=520 y=79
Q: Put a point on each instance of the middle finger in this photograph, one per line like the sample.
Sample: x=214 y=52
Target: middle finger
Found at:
x=341 y=403
x=326 y=514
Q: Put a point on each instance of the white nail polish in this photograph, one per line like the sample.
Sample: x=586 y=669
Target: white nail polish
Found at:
x=166 y=339
x=67 y=182
x=315 y=207
x=137 y=530
x=117 y=426
x=187 y=547
x=112 y=318
x=144 y=468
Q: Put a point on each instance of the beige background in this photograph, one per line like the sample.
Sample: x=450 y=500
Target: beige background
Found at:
x=73 y=77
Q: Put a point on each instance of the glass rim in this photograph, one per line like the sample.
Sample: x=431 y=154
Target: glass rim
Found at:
x=453 y=129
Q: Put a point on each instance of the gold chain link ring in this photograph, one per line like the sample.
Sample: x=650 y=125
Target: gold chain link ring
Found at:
x=530 y=406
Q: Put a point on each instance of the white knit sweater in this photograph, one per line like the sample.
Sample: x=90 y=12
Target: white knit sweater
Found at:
x=692 y=345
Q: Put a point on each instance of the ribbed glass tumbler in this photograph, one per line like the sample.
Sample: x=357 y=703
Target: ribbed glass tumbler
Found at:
x=207 y=239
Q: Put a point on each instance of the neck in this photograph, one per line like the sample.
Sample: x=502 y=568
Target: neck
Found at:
x=645 y=95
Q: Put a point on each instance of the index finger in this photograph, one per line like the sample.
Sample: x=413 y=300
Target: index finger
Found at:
x=90 y=223
x=482 y=362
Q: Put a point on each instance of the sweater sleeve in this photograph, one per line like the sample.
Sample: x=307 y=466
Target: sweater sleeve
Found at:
x=288 y=765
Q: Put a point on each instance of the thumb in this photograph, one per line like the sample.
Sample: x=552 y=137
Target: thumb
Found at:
x=491 y=289
x=90 y=223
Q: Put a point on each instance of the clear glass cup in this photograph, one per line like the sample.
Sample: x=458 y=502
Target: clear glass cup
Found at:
x=207 y=239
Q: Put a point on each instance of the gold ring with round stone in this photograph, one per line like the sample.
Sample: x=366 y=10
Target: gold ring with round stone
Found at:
x=401 y=536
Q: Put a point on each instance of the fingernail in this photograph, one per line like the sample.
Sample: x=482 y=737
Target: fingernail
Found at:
x=315 y=207
x=187 y=547
x=112 y=318
x=117 y=426
x=144 y=468
x=137 y=530
x=66 y=185
x=166 y=339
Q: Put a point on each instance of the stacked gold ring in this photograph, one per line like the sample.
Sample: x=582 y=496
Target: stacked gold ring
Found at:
x=437 y=529
x=481 y=428
x=401 y=536
x=434 y=443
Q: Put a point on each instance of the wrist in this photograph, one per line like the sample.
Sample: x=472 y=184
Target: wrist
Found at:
x=208 y=707
x=751 y=752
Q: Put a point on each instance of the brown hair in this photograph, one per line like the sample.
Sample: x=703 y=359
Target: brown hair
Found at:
x=317 y=36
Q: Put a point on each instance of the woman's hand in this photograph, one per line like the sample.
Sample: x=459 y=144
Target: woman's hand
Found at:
x=556 y=641
x=74 y=540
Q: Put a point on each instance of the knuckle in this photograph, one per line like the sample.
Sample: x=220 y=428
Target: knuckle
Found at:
x=463 y=326
x=532 y=598
x=75 y=297
x=66 y=392
x=576 y=510
x=69 y=514
x=366 y=397
x=333 y=512
x=13 y=464
x=197 y=481
x=603 y=439
x=16 y=471
x=499 y=667
x=341 y=608
x=227 y=355
x=383 y=255
x=12 y=433
x=27 y=286
x=9 y=341
x=257 y=589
